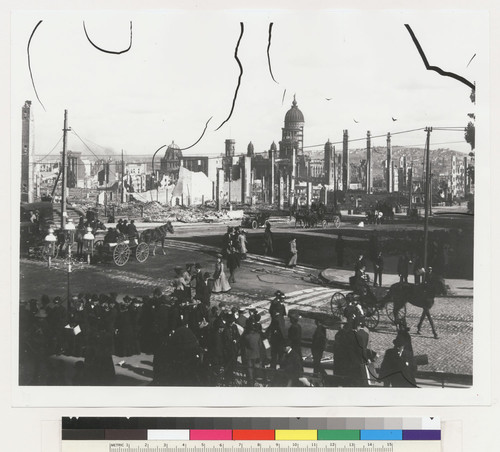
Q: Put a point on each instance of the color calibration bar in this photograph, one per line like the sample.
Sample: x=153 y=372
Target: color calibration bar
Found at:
x=250 y=434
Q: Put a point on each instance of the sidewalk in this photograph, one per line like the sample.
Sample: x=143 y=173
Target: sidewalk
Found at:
x=340 y=277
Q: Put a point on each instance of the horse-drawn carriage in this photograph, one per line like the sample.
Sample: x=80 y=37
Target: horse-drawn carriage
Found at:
x=121 y=250
x=370 y=301
x=121 y=247
x=316 y=215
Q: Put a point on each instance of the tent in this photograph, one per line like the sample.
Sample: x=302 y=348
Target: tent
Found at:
x=192 y=188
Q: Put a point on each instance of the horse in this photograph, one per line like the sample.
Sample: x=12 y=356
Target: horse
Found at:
x=156 y=235
x=419 y=295
x=95 y=224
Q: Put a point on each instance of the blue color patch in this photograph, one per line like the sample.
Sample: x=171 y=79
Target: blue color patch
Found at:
x=390 y=435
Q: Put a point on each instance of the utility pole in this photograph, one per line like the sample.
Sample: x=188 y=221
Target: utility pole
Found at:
x=230 y=180
x=334 y=182
x=410 y=189
x=121 y=184
x=64 y=214
x=427 y=191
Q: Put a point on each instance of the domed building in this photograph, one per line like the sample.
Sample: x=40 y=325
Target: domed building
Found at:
x=292 y=135
x=171 y=162
x=292 y=164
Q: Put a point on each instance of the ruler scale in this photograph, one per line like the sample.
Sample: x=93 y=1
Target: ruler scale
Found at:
x=305 y=446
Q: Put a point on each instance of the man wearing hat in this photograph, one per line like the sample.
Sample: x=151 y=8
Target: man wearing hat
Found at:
x=251 y=345
x=199 y=281
x=295 y=334
x=277 y=304
x=277 y=335
x=291 y=368
x=318 y=346
x=56 y=320
x=206 y=288
x=398 y=367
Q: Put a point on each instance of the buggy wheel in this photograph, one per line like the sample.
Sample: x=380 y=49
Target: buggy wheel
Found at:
x=44 y=254
x=324 y=224
x=372 y=317
x=300 y=223
x=337 y=304
x=400 y=316
x=336 y=221
x=121 y=254
x=254 y=224
x=142 y=252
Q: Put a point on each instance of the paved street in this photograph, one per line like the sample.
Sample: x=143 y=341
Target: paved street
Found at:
x=257 y=280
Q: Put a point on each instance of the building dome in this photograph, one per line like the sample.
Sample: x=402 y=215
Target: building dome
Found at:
x=294 y=114
x=173 y=152
x=250 y=149
x=273 y=146
x=328 y=145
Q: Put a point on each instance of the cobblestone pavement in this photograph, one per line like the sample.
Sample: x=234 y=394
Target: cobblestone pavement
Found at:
x=451 y=353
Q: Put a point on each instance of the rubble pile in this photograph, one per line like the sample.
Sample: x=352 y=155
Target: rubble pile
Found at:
x=155 y=212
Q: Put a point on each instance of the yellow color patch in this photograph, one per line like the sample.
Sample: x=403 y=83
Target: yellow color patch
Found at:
x=296 y=435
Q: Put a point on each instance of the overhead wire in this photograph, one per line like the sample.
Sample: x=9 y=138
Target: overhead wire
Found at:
x=46 y=155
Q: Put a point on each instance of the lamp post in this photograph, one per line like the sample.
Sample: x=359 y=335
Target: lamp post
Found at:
x=88 y=244
x=69 y=229
x=50 y=245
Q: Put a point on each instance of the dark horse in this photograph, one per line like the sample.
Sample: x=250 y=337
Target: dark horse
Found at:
x=420 y=295
x=80 y=232
x=157 y=235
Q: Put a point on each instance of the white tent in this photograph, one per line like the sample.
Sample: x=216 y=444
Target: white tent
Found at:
x=192 y=188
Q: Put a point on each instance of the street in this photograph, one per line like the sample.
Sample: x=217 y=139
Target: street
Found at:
x=256 y=282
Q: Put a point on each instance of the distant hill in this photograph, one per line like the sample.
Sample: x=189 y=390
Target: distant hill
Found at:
x=440 y=158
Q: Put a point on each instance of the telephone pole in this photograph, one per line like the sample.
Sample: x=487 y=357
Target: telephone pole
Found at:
x=64 y=214
x=122 y=183
x=428 y=130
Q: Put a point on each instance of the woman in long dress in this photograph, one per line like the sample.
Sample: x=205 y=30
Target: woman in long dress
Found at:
x=221 y=283
x=292 y=262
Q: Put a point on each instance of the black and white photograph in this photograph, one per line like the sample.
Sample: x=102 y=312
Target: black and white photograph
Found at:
x=250 y=200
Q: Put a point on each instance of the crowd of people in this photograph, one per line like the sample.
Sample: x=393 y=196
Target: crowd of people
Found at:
x=194 y=342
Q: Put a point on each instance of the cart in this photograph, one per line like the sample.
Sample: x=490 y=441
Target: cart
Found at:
x=370 y=304
x=121 y=251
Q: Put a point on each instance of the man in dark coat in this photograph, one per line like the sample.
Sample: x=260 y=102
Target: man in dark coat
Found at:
x=403 y=263
x=277 y=304
x=378 y=269
x=339 y=250
x=197 y=277
x=295 y=334
x=206 y=291
x=56 y=320
x=341 y=354
x=132 y=230
x=291 y=367
x=186 y=354
x=277 y=337
x=251 y=344
x=318 y=346
x=398 y=367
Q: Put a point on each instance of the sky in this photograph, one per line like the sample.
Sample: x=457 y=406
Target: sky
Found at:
x=180 y=71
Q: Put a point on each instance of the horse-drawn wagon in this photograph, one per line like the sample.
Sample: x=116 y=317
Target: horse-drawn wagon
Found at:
x=317 y=215
x=121 y=247
x=370 y=301
x=121 y=250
